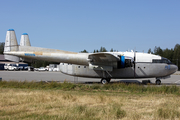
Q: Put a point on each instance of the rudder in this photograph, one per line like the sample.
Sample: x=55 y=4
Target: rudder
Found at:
x=11 y=41
x=11 y=45
x=25 y=40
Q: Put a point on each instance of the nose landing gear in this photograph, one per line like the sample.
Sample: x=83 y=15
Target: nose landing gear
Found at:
x=158 y=81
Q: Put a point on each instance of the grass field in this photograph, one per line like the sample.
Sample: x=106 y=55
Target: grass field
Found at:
x=66 y=101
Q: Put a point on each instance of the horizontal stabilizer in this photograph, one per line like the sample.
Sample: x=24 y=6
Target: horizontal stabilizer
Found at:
x=11 y=58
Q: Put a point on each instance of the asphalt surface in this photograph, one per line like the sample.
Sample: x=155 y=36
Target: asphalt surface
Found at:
x=58 y=76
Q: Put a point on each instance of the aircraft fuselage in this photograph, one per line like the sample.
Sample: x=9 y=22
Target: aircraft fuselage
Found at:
x=105 y=65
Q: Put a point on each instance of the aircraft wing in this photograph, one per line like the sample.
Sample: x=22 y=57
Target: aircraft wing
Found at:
x=103 y=61
x=102 y=58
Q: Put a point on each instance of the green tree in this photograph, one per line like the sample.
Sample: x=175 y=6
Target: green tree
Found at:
x=95 y=51
x=103 y=49
x=158 y=51
x=168 y=53
x=84 y=51
x=176 y=55
x=111 y=50
x=149 y=51
x=171 y=54
x=1 y=47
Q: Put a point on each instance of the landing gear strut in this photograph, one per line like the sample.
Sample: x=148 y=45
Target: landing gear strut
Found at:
x=105 y=80
x=158 y=81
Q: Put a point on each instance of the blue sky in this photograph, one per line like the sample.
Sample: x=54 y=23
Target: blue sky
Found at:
x=75 y=25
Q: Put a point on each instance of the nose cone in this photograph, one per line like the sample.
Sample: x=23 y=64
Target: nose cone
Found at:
x=173 y=68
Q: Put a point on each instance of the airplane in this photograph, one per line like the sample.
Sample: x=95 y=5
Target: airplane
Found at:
x=103 y=65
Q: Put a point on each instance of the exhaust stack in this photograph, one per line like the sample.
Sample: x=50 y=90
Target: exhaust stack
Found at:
x=25 y=40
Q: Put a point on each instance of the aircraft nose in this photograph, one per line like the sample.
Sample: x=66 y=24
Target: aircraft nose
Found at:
x=174 y=68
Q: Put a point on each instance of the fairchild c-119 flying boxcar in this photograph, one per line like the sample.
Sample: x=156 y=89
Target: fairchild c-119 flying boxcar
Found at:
x=104 y=65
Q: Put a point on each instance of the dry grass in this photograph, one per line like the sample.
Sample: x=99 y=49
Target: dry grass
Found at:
x=66 y=105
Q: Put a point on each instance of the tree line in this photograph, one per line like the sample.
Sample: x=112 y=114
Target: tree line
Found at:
x=1 y=47
x=172 y=54
x=102 y=49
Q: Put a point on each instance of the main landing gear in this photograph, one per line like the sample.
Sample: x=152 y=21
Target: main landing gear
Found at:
x=105 y=80
x=158 y=81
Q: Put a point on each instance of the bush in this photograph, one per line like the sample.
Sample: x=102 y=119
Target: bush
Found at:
x=167 y=113
x=120 y=113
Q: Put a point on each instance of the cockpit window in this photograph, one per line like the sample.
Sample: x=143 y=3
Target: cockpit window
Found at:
x=163 y=60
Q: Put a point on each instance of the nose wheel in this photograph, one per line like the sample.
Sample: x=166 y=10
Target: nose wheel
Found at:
x=158 y=82
x=105 y=80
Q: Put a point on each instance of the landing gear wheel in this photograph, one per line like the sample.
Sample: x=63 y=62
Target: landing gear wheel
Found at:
x=104 y=81
x=158 y=82
x=108 y=80
x=145 y=82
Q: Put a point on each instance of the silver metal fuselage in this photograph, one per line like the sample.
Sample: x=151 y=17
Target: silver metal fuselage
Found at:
x=77 y=64
x=95 y=65
x=143 y=70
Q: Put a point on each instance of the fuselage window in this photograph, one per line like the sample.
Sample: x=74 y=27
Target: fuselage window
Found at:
x=163 y=60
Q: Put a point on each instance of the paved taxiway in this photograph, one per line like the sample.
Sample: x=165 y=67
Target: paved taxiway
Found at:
x=58 y=76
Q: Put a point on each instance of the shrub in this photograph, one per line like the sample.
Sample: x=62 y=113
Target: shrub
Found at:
x=167 y=113
x=120 y=113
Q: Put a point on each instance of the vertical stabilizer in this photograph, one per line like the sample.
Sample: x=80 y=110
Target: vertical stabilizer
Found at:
x=11 y=41
x=11 y=45
x=25 y=40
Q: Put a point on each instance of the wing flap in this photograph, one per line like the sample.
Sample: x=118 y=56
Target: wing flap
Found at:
x=100 y=67
x=103 y=57
x=103 y=61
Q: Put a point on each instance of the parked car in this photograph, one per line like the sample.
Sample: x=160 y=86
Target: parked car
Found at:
x=56 y=69
x=36 y=69
x=43 y=69
x=12 y=67
x=20 y=68
x=26 y=68
x=6 y=66
x=50 y=69
x=29 y=68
